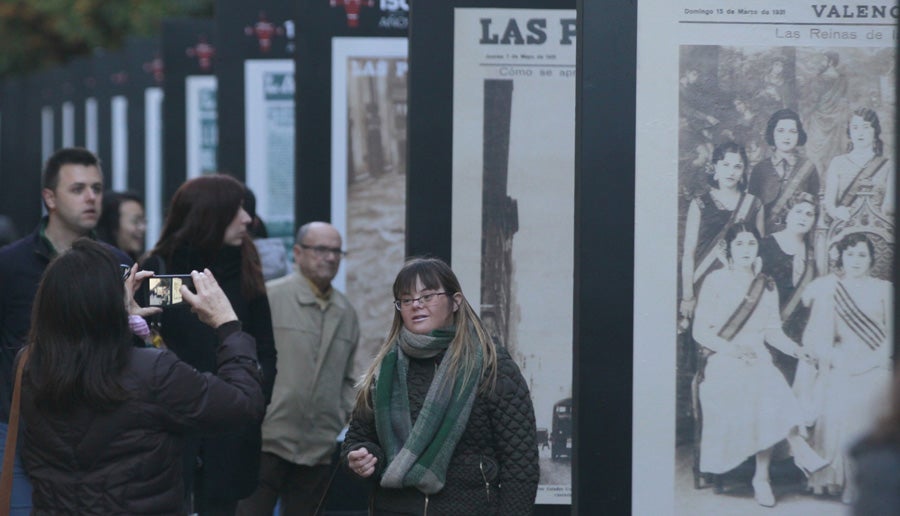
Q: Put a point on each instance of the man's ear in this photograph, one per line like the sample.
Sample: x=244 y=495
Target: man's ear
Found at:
x=49 y=197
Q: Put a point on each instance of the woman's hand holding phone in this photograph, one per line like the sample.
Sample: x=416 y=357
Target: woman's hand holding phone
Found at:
x=209 y=303
x=132 y=282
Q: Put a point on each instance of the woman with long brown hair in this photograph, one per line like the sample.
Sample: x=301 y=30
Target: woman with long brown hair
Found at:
x=444 y=420
x=207 y=228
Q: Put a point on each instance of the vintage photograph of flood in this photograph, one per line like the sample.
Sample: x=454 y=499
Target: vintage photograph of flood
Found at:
x=785 y=250
x=373 y=171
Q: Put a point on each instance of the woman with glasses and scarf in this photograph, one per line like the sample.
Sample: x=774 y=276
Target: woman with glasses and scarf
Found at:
x=444 y=420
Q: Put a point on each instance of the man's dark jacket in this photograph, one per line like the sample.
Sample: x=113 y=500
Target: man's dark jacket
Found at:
x=22 y=263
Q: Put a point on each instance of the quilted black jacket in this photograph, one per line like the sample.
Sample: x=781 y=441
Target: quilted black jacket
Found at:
x=494 y=468
x=129 y=460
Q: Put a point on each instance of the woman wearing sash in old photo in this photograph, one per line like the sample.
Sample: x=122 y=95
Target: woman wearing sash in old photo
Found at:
x=747 y=404
x=849 y=332
x=710 y=215
x=775 y=180
x=864 y=172
x=788 y=258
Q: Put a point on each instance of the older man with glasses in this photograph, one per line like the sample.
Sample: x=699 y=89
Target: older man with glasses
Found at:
x=316 y=335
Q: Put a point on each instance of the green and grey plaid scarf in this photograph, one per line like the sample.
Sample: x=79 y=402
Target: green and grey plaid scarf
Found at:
x=418 y=455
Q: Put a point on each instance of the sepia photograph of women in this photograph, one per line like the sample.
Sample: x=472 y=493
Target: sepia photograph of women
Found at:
x=785 y=222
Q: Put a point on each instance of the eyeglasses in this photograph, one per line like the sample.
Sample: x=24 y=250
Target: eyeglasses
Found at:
x=407 y=303
x=321 y=251
x=139 y=221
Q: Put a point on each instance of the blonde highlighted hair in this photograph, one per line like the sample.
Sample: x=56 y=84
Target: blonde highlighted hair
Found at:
x=435 y=274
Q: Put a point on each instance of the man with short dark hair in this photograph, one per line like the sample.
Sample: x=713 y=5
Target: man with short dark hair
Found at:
x=316 y=335
x=72 y=191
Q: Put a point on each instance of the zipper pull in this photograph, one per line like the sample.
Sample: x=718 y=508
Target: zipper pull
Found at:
x=487 y=485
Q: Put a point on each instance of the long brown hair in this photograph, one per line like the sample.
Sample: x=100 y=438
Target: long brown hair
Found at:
x=80 y=340
x=435 y=274
x=200 y=211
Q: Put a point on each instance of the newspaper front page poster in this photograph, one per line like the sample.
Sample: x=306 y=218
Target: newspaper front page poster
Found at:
x=764 y=240
x=513 y=214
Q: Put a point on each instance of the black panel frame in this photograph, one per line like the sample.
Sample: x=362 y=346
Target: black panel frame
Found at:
x=236 y=42
x=143 y=62
x=177 y=36
x=604 y=256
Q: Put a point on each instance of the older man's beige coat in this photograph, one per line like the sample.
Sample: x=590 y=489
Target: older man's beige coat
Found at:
x=314 y=390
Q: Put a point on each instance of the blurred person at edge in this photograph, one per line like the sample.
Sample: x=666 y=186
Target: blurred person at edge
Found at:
x=104 y=421
x=878 y=463
x=444 y=422
x=273 y=255
x=206 y=227
x=122 y=223
x=72 y=192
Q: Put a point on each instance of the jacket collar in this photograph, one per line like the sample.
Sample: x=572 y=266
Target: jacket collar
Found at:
x=43 y=246
x=307 y=293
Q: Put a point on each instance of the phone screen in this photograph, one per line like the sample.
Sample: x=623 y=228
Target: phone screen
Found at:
x=165 y=290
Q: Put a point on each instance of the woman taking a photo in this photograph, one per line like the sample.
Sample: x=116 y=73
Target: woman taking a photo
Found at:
x=443 y=421
x=207 y=228
x=104 y=421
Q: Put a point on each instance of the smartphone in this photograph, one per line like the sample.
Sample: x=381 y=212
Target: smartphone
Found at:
x=165 y=289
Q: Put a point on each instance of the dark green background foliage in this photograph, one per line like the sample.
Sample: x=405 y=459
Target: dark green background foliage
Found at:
x=38 y=33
